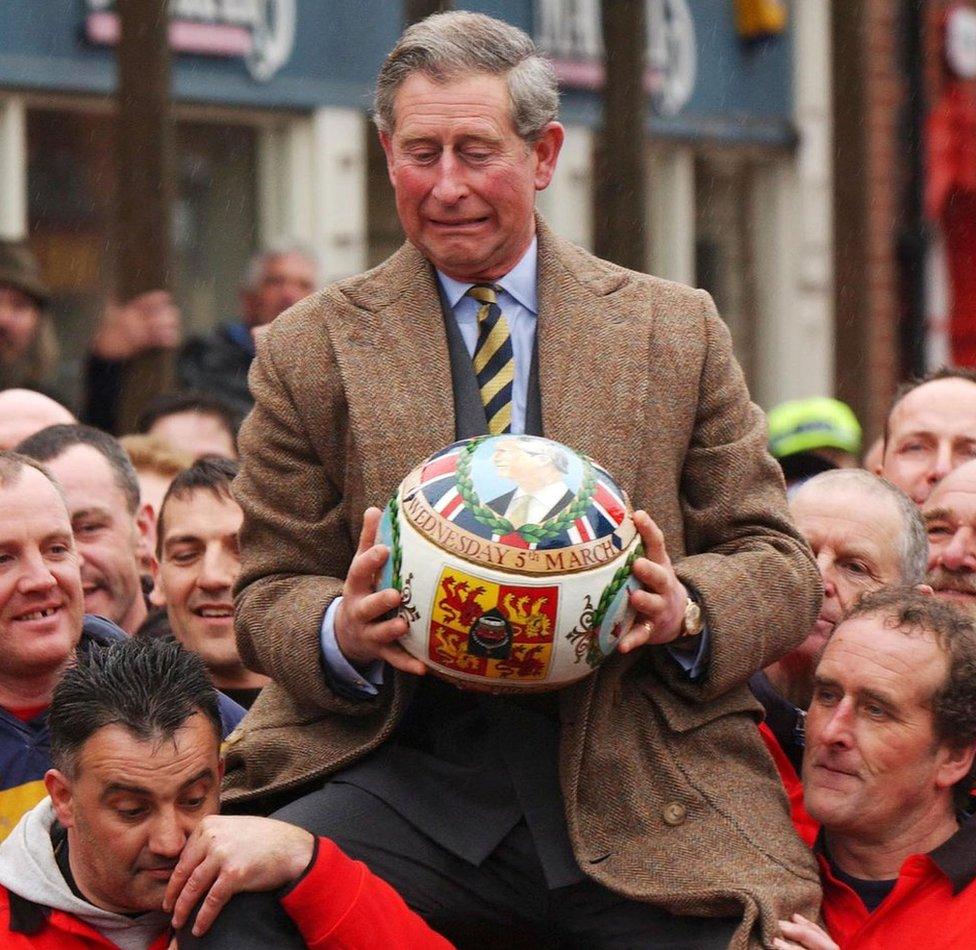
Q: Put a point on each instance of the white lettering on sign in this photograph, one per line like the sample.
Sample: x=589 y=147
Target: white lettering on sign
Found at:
x=568 y=31
x=262 y=32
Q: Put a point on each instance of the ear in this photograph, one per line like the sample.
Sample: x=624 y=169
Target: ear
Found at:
x=59 y=788
x=157 y=596
x=546 y=149
x=955 y=765
x=387 y=144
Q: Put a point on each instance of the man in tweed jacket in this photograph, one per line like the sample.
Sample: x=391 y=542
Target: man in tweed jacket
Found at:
x=674 y=823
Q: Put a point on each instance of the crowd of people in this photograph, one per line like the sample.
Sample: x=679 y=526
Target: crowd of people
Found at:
x=780 y=753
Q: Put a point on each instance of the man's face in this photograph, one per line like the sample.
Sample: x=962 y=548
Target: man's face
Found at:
x=107 y=535
x=200 y=561
x=950 y=517
x=19 y=316
x=41 y=601
x=287 y=279
x=856 y=538
x=197 y=434
x=465 y=181
x=930 y=432
x=872 y=763
x=129 y=807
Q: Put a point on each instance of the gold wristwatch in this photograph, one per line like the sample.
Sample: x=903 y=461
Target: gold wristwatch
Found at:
x=693 y=622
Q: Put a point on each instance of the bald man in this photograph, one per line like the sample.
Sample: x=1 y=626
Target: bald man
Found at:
x=24 y=412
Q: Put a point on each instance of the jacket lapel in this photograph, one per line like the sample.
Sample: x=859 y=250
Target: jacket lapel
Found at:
x=396 y=371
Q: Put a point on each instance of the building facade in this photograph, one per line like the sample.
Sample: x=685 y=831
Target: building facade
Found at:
x=271 y=102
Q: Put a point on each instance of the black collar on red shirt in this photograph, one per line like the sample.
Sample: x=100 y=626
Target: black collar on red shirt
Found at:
x=955 y=857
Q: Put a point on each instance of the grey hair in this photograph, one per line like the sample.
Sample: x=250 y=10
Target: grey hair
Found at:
x=279 y=247
x=541 y=448
x=456 y=43
x=914 y=537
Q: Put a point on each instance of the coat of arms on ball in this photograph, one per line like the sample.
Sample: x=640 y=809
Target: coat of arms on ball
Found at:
x=513 y=554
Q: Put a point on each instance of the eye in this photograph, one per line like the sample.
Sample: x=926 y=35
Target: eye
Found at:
x=825 y=695
x=131 y=814
x=939 y=531
x=875 y=710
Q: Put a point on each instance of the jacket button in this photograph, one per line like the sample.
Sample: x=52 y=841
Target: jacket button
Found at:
x=674 y=813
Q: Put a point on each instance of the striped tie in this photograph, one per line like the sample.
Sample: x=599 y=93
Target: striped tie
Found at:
x=494 y=364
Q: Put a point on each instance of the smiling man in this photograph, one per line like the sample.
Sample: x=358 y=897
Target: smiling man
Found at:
x=891 y=736
x=111 y=527
x=950 y=518
x=199 y=562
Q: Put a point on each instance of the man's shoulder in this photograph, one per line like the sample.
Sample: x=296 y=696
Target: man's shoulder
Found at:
x=562 y=258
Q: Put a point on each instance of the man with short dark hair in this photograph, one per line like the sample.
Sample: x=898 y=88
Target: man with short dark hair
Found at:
x=199 y=562
x=41 y=622
x=110 y=525
x=891 y=737
x=930 y=430
x=196 y=423
x=130 y=832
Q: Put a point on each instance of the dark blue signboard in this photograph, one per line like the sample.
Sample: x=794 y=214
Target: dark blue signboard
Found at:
x=703 y=80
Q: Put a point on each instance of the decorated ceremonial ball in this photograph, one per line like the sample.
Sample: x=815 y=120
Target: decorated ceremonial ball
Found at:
x=513 y=555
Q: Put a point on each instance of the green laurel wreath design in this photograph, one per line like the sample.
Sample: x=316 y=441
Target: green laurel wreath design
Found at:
x=620 y=577
x=396 y=581
x=533 y=533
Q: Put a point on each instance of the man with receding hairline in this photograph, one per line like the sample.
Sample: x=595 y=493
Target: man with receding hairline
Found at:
x=930 y=430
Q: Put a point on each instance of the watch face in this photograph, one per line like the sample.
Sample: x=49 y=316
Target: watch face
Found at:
x=693 y=619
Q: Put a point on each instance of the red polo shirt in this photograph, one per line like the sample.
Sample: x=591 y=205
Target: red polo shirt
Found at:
x=933 y=903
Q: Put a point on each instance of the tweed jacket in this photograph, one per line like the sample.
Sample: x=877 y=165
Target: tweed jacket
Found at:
x=669 y=794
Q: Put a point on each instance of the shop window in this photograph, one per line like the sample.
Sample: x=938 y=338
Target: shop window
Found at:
x=71 y=184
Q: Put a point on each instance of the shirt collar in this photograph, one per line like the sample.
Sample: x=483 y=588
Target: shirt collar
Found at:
x=955 y=857
x=519 y=282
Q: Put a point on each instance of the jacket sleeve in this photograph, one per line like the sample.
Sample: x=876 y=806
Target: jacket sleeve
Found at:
x=340 y=903
x=294 y=540
x=754 y=573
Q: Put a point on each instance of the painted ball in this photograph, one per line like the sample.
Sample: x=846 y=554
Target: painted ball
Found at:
x=513 y=556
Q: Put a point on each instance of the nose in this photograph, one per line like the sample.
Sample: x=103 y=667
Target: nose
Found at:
x=960 y=553
x=449 y=188
x=836 y=724
x=941 y=463
x=168 y=833
x=35 y=575
x=825 y=563
x=219 y=569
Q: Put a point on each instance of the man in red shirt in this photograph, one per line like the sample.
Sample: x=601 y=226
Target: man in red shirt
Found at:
x=129 y=841
x=888 y=771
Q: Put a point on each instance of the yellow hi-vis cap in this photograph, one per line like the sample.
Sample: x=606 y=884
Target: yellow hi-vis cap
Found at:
x=805 y=425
